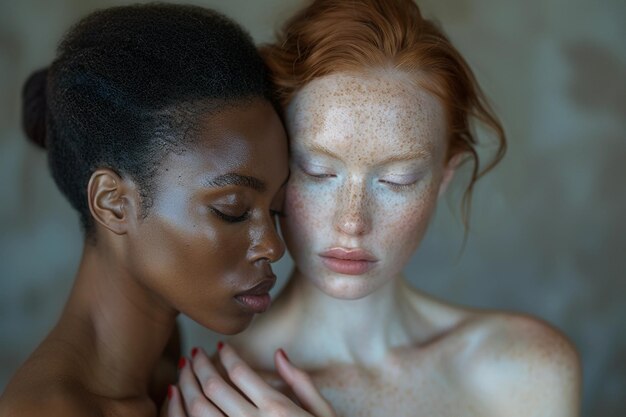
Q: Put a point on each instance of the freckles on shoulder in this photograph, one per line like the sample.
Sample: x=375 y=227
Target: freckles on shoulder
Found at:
x=520 y=362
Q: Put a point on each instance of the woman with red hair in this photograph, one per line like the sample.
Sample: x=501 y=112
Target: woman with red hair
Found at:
x=379 y=107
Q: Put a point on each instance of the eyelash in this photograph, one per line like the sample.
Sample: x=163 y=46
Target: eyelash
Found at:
x=394 y=186
x=243 y=217
x=398 y=187
x=228 y=218
x=320 y=176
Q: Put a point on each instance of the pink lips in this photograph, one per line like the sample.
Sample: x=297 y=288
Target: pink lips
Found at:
x=348 y=261
x=257 y=299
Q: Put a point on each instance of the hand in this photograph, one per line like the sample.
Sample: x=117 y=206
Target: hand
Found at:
x=202 y=392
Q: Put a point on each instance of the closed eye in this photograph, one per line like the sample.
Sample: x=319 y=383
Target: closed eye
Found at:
x=398 y=186
x=322 y=175
x=315 y=171
x=229 y=218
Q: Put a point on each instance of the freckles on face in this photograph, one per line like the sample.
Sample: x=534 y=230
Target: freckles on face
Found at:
x=354 y=109
x=367 y=161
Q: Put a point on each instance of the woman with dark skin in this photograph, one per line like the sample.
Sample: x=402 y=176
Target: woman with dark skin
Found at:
x=160 y=130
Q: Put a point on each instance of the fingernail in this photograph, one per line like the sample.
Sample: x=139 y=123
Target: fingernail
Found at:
x=220 y=345
x=194 y=352
x=282 y=352
x=181 y=362
x=170 y=392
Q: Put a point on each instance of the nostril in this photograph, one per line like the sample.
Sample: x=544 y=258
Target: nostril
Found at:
x=273 y=247
x=279 y=249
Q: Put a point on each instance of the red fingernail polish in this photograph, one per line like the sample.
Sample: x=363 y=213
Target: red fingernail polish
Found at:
x=170 y=392
x=194 y=352
x=282 y=352
x=181 y=362
x=220 y=345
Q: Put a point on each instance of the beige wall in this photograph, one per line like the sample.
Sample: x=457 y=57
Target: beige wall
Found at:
x=548 y=227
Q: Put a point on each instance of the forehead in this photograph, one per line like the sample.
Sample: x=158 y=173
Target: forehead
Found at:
x=386 y=110
x=247 y=140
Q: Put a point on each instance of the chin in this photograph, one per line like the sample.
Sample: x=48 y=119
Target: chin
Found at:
x=346 y=287
x=228 y=326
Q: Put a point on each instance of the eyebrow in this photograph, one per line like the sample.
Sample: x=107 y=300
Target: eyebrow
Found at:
x=236 y=179
x=419 y=154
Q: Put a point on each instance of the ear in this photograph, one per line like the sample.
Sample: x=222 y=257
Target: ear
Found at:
x=113 y=201
x=449 y=170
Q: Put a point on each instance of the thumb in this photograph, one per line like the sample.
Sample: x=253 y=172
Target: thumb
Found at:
x=302 y=385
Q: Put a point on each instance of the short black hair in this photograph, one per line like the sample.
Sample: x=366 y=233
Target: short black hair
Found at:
x=128 y=85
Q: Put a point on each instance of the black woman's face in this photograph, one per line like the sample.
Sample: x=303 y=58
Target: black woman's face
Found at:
x=210 y=234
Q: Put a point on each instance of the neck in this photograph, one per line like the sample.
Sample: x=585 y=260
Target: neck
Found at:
x=349 y=331
x=116 y=326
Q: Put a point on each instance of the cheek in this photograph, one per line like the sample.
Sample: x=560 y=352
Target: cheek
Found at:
x=190 y=261
x=307 y=209
x=402 y=222
x=194 y=265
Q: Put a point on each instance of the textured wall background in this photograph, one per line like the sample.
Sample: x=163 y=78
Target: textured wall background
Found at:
x=548 y=234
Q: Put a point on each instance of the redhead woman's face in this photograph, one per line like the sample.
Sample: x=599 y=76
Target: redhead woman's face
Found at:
x=367 y=163
x=206 y=244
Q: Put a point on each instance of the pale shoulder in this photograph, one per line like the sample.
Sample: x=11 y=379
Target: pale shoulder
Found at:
x=520 y=365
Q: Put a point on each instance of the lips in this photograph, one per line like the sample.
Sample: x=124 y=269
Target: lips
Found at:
x=345 y=261
x=257 y=299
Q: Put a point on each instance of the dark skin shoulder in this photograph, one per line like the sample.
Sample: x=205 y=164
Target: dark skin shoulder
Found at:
x=52 y=391
x=51 y=383
x=67 y=400
x=67 y=397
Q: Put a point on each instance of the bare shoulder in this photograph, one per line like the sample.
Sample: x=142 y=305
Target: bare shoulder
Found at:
x=37 y=399
x=520 y=365
x=62 y=396
x=44 y=385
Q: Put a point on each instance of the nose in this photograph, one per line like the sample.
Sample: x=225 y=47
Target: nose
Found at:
x=352 y=215
x=267 y=243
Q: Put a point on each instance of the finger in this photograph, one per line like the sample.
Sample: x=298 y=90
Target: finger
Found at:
x=174 y=403
x=231 y=402
x=244 y=378
x=194 y=401
x=302 y=385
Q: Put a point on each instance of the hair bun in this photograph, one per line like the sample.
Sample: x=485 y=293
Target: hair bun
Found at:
x=34 y=107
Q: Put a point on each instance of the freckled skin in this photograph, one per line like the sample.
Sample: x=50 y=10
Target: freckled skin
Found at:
x=357 y=205
x=372 y=344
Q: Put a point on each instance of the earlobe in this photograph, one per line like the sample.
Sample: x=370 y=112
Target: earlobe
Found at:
x=111 y=200
x=449 y=171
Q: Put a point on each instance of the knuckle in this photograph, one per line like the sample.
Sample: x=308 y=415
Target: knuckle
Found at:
x=212 y=386
x=198 y=408
x=278 y=406
x=237 y=372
